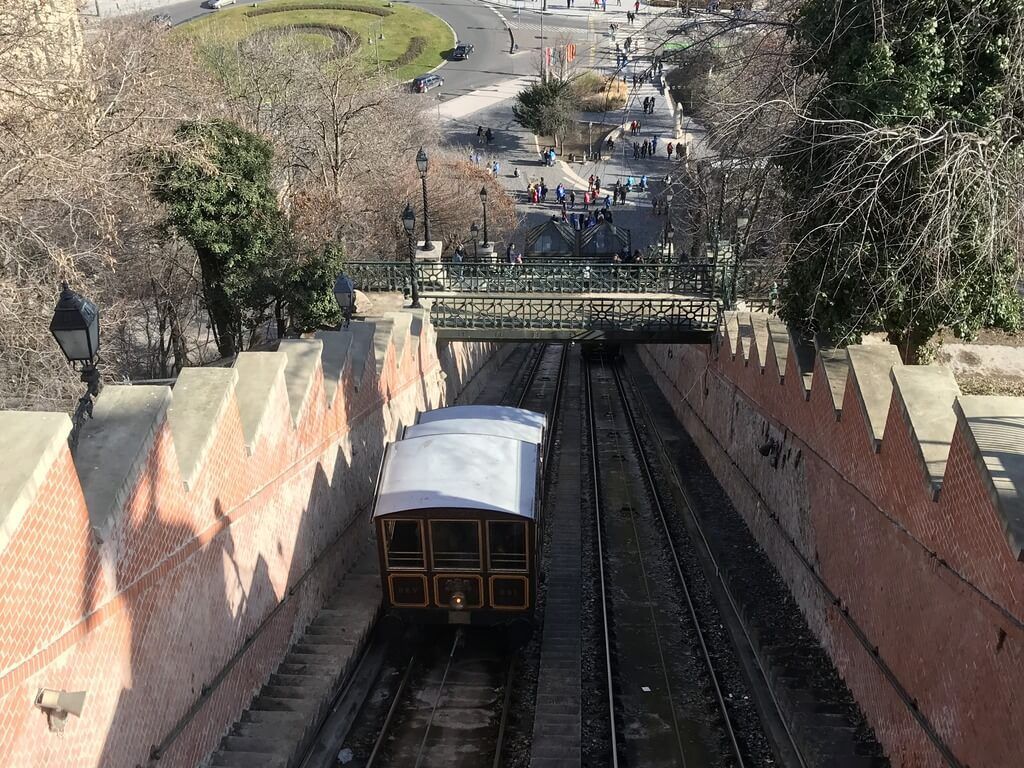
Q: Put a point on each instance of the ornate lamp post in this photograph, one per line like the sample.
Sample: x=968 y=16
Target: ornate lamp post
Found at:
x=483 y=199
x=345 y=295
x=475 y=231
x=409 y=222
x=76 y=327
x=741 y=228
x=422 y=163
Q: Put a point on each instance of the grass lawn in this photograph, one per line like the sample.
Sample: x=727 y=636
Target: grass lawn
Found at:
x=400 y=25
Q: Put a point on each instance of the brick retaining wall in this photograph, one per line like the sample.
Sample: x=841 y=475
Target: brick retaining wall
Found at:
x=919 y=540
x=139 y=569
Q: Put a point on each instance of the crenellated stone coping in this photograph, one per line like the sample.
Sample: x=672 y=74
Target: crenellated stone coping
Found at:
x=113 y=448
x=303 y=363
x=994 y=429
x=31 y=443
x=870 y=367
x=927 y=398
x=835 y=364
x=926 y=395
x=200 y=398
x=335 y=359
x=115 y=445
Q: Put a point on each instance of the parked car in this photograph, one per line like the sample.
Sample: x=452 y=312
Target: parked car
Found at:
x=462 y=51
x=217 y=4
x=424 y=83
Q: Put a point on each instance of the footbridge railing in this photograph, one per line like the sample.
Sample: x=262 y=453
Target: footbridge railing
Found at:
x=750 y=280
x=537 y=277
x=582 y=317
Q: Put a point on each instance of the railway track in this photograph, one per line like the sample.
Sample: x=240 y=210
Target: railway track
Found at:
x=667 y=701
x=442 y=696
x=450 y=709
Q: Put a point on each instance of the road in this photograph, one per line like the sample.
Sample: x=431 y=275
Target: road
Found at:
x=472 y=20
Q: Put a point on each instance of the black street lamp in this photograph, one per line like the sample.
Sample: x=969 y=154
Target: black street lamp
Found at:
x=409 y=222
x=345 y=295
x=475 y=231
x=422 y=163
x=76 y=327
x=483 y=199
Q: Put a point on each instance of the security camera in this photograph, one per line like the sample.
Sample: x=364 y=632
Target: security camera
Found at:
x=59 y=704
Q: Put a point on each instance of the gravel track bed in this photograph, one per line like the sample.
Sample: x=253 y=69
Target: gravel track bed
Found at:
x=703 y=732
x=767 y=607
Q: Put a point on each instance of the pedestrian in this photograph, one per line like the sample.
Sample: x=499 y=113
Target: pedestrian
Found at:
x=586 y=200
x=543 y=193
x=458 y=257
x=650 y=109
x=639 y=127
x=479 y=131
x=572 y=198
x=668 y=150
x=636 y=151
x=496 y=168
x=489 y=135
x=654 y=145
x=597 y=185
x=643 y=149
x=636 y=6
x=643 y=182
x=623 y=193
x=534 y=194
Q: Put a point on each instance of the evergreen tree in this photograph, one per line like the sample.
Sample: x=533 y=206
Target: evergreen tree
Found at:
x=904 y=167
x=217 y=188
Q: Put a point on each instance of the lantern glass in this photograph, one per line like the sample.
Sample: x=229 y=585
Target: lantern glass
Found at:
x=474 y=228
x=344 y=292
x=76 y=327
x=422 y=161
x=409 y=218
x=483 y=195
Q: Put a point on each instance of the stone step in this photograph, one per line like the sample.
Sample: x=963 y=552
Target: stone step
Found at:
x=314 y=682
x=273 y=717
x=247 y=760
x=268 y=703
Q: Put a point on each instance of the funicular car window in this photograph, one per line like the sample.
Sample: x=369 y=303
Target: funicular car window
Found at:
x=404 y=542
x=506 y=546
x=455 y=543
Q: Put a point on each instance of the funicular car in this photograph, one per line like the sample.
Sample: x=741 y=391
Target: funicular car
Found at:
x=456 y=515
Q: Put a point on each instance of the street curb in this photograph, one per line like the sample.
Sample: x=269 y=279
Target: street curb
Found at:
x=455 y=41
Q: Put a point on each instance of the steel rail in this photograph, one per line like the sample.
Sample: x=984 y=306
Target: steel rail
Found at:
x=437 y=699
x=386 y=726
x=531 y=376
x=592 y=423
x=651 y=600
x=655 y=497
x=691 y=512
x=505 y=706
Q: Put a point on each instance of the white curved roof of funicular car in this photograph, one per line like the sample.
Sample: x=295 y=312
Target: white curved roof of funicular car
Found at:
x=499 y=415
x=479 y=472
x=466 y=426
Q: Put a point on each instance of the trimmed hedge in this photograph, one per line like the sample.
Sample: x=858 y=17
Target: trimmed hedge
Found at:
x=351 y=38
x=417 y=45
x=325 y=7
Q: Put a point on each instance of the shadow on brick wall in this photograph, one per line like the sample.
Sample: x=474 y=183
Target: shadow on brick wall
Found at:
x=199 y=633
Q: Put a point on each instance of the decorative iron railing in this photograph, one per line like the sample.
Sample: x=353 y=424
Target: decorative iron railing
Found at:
x=754 y=280
x=537 y=277
x=566 y=313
